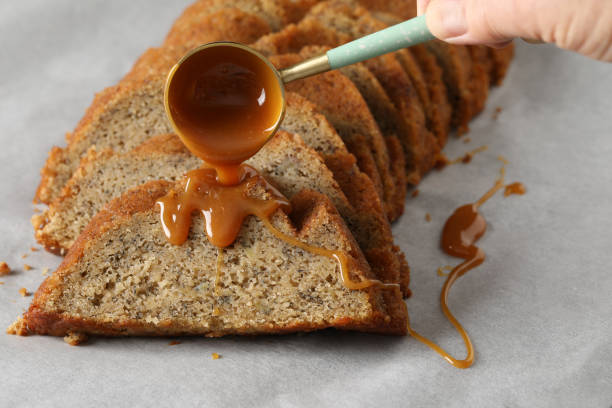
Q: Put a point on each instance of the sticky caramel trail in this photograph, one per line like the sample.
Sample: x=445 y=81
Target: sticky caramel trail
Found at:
x=461 y=231
x=339 y=256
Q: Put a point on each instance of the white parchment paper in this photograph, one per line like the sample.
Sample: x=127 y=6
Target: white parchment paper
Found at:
x=539 y=310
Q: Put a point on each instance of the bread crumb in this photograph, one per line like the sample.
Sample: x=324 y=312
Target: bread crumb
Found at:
x=467 y=140
x=1 y=283
x=442 y=270
x=215 y=356
x=174 y=343
x=45 y=271
x=4 y=269
x=75 y=338
x=216 y=312
x=427 y=217
x=24 y=292
x=441 y=161
x=18 y=328
x=27 y=267
x=468 y=156
x=33 y=249
x=24 y=256
x=497 y=112
x=415 y=193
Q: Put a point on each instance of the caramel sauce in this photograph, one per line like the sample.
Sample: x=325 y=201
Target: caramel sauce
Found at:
x=459 y=236
x=224 y=207
x=514 y=188
x=225 y=103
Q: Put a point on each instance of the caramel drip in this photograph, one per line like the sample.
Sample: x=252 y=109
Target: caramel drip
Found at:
x=224 y=207
x=339 y=256
x=515 y=188
x=461 y=231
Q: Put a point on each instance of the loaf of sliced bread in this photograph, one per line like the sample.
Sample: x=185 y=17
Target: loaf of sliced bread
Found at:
x=350 y=142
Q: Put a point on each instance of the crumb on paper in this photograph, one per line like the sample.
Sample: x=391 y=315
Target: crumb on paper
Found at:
x=18 y=328
x=415 y=193
x=4 y=269
x=467 y=158
x=441 y=161
x=497 y=112
x=24 y=292
x=27 y=267
x=34 y=249
x=45 y=271
x=444 y=270
x=467 y=140
x=427 y=217
x=1 y=283
x=75 y=338
x=215 y=356
x=24 y=256
x=174 y=343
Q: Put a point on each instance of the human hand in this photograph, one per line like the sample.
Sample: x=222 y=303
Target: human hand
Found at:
x=583 y=26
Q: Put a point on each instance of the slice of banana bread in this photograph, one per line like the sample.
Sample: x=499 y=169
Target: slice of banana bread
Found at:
x=123 y=278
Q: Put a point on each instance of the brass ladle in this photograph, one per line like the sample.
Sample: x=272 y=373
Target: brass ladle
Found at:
x=399 y=36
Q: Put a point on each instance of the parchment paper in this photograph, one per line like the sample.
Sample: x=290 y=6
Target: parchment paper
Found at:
x=539 y=310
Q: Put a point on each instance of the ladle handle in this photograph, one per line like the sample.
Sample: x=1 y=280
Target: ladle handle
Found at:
x=402 y=35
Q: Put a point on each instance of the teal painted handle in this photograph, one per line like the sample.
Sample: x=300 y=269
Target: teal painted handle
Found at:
x=402 y=35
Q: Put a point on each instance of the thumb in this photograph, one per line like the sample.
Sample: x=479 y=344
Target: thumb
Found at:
x=584 y=26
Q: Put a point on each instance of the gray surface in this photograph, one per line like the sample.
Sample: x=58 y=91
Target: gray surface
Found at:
x=538 y=310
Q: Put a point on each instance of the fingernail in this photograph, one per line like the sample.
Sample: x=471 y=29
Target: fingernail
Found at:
x=422 y=6
x=446 y=18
